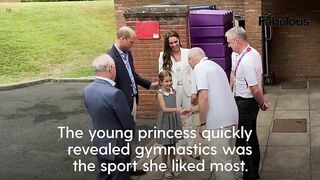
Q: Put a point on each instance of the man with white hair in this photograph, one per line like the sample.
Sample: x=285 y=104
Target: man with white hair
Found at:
x=108 y=110
x=246 y=81
x=216 y=105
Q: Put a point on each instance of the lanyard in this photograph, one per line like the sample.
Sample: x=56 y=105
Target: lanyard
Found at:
x=127 y=64
x=248 y=49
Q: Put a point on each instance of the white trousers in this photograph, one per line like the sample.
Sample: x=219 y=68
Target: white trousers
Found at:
x=184 y=101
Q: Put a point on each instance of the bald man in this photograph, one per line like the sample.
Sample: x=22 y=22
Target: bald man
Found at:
x=217 y=107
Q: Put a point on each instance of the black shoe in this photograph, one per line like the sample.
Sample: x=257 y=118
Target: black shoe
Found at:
x=138 y=172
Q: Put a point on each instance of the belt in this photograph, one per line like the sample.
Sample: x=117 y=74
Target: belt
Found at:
x=238 y=97
x=179 y=83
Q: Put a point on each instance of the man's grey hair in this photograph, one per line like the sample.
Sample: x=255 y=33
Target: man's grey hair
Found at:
x=102 y=63
x=196 y=51
x=236 y=32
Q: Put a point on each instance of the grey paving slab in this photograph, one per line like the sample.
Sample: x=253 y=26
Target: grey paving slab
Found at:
x=314 y=96
x=293 y=99
x=315 y=152
x=272 y=98
x=293 y=114
x=263 y=135
x=152 y=175
x=315 y=136
x=263 y=150
x=314 y=117
x=314 y=85
x=315 y=162
x=197 y=175
x=265 y=118
x=289 y=139
x=282 y=175
x=287 y=159
x=274 y=89
x=315 y=166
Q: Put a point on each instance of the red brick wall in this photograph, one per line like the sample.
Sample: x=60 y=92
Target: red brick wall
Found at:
x=146 y=52
x=146 y=55
x=294 y=50
x=121 y=5
x=253 y=9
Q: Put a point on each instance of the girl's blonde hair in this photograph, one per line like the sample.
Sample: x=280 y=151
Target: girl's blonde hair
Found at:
x=162 y=75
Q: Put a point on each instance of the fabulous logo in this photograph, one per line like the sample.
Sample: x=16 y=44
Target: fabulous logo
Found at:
x=286 y=21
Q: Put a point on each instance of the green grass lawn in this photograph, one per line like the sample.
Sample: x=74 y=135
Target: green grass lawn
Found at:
x=57 y=39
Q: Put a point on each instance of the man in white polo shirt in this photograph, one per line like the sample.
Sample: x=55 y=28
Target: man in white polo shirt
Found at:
x=216 y=104
x=247 y=88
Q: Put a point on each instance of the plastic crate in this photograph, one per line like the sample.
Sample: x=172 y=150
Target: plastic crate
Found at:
x=214 y=50
x=224 y=63
x=210 y=31
x=210 y=17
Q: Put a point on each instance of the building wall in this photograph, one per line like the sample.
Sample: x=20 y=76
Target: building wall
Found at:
x=146 y=52
x=121 y=5
x=294 y=49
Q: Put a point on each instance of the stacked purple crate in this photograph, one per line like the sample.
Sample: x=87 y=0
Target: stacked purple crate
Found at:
x=207 y=29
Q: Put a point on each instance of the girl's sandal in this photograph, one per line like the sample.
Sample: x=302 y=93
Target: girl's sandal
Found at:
x=168 y=175
x=177 y=174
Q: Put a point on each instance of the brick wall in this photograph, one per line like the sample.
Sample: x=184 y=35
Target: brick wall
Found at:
x=121 y=5
x=253 y=9
x=294 y=49
x=146 y=52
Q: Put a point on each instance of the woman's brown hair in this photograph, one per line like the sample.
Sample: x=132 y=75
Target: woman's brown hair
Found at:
x=167 y=63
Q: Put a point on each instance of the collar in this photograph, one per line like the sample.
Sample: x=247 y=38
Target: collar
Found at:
x=203 y=59
x=106 y=79
x=166 y=93
x=118 y=49
x=247 y=49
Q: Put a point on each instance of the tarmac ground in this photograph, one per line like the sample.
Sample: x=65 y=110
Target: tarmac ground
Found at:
x=31 y=148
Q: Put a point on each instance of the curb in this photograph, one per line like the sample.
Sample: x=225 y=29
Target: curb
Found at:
x=7 y=87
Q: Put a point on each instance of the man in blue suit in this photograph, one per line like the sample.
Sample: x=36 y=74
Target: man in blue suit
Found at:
x=108 y=110
x=127 y=79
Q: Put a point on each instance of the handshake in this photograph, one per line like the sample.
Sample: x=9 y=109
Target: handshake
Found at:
x=187 y=112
